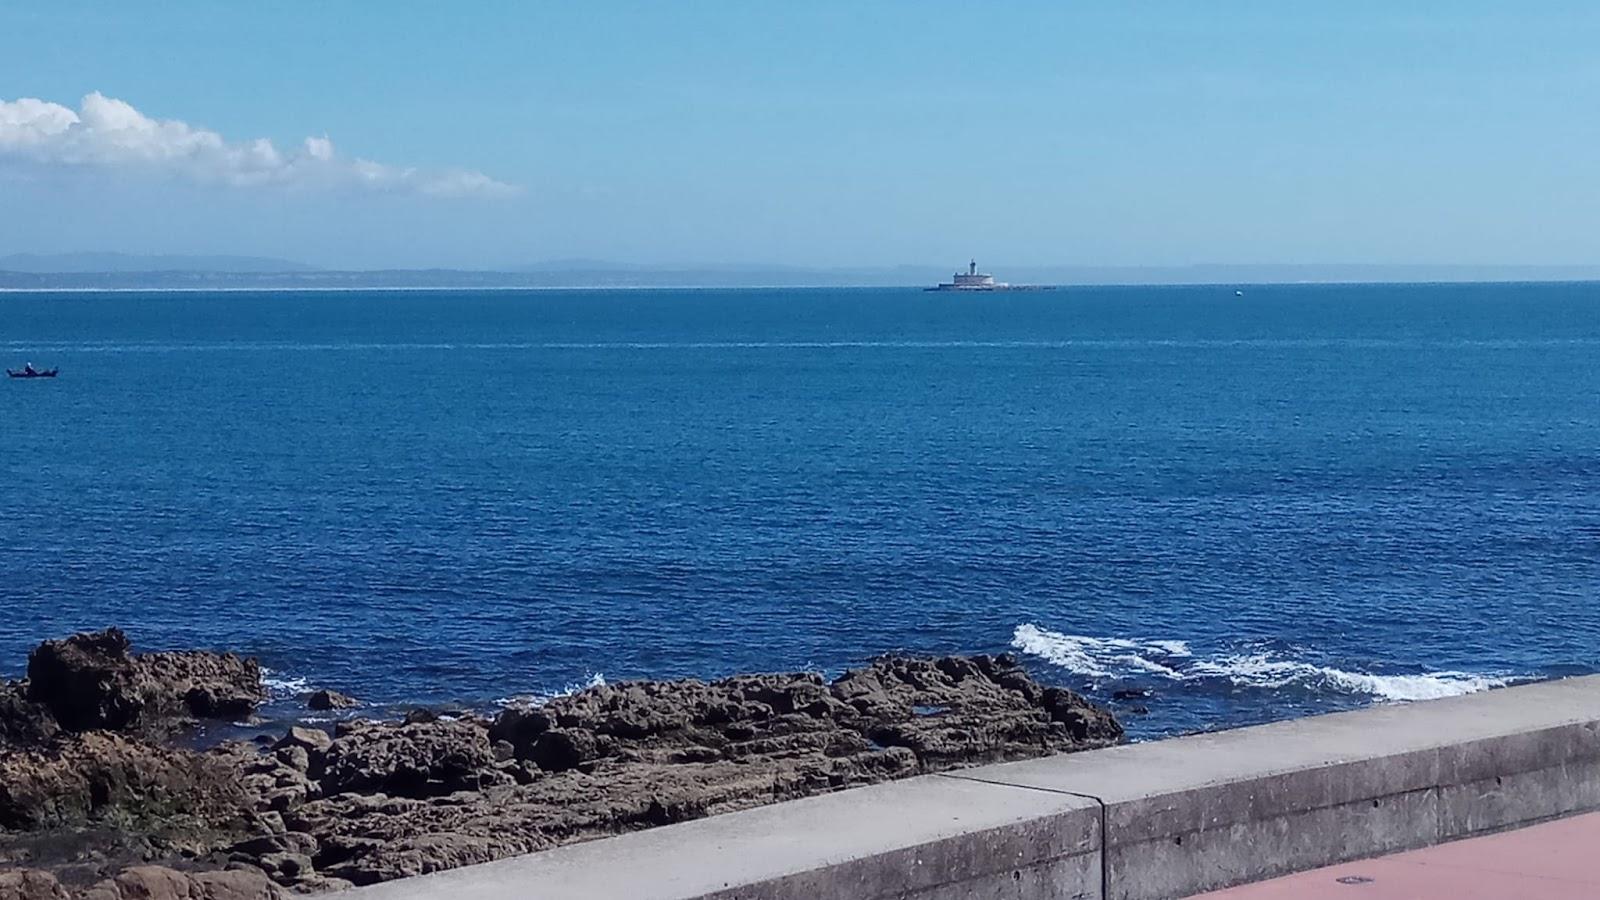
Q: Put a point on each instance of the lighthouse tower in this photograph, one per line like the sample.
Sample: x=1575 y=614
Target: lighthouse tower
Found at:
x=972 y=279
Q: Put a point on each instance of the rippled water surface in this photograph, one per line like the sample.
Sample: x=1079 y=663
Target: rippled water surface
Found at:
x=1206 y=509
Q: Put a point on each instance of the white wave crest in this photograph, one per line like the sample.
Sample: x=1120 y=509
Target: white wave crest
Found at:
x=1099 y=657
x=1108 y=658
x=1261 y=670
x=281 y=686
x=1172 y=648
x=541 y=698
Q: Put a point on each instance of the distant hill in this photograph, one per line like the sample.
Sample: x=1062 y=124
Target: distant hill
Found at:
x=109 y=271
x=598 y=273
x=1295 y=273
x=39 y=263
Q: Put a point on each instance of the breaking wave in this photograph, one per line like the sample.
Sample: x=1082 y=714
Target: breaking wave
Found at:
x=282 y=686
x=1106 y=659
x=1101 y=657
x=541 y=698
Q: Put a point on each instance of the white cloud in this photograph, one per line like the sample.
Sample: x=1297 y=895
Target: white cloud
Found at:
x=319 y=147
x=111 y=134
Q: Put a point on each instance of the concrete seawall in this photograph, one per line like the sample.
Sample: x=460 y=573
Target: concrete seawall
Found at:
x=1142 y=822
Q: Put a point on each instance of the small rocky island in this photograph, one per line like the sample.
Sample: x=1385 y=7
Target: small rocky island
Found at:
x=102 y=799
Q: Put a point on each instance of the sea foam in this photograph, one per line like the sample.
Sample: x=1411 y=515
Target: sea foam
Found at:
x=282 y=686
x=540 y=698
x=1104 y=659
x=1101 y=657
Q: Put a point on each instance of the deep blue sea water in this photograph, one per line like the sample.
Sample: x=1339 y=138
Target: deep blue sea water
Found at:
x=1300 y=499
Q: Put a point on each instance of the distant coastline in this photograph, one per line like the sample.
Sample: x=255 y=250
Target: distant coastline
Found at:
x=510 y=288
x=223 y=274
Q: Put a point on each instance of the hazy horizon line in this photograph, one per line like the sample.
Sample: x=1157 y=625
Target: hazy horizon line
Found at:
x=239 y=264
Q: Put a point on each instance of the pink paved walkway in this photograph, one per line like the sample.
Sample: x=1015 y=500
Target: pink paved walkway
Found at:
x=1555 y=861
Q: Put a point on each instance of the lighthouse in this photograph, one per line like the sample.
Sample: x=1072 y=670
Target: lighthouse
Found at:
x=970 y=280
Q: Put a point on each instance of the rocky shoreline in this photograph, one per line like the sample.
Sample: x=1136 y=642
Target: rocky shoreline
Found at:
x=97 y=801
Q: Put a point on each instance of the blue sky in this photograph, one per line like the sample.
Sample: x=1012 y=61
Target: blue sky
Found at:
x=826 y=133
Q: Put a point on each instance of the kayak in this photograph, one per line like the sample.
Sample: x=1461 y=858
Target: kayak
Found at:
x=42 y=373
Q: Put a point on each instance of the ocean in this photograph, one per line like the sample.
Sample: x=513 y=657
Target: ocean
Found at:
x=1202 y=509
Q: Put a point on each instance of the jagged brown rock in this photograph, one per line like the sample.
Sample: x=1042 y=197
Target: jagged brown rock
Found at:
x=85 y=788
x=23 y=723
x=202 y=684
x=93 y=682
x=314 y=740
x=79 y=778
x=376 y=801
x=145 y=883
x=159 y=883
x=30 y=884
x=633 y=755
x=325 y=700
x=87 y=681
x=420 y=759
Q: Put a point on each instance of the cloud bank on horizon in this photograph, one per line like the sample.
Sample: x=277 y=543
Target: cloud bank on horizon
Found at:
x=107 y=133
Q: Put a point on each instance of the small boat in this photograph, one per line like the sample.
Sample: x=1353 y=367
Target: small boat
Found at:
x=31 y=372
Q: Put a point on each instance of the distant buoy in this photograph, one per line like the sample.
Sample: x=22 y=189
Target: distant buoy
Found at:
x=1238 y=293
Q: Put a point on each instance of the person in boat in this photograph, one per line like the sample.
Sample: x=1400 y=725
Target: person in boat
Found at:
x=28 y=369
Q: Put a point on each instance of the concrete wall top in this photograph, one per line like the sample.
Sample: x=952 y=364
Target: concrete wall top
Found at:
x=1136 y=771
x=711 y=855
